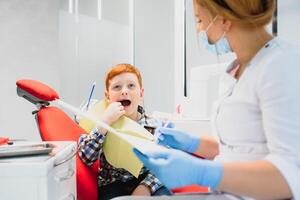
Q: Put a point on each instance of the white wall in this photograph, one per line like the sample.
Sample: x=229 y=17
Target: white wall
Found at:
x=289 y=20
x=65 y=46
x=154 y=51
x=68 y=46
x=89 y=46
x=42 y=39
x=102 y=44
x=28 y=49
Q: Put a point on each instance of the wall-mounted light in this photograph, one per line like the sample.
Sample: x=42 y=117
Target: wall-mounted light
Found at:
x=99 y=9
x=71 y=6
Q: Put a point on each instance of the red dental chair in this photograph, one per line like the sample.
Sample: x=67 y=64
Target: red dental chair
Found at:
x=55 y=125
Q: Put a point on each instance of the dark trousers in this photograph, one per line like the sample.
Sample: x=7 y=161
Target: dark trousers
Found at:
x=119 y=188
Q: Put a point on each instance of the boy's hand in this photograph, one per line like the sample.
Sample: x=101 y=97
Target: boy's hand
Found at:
x=141 y=190
x=113 y=112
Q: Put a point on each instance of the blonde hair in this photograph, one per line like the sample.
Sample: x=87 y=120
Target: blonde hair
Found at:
x=246 y=13
x=122 y=68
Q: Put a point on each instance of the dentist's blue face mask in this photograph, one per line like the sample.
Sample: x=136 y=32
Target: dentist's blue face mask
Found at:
x=220 y=47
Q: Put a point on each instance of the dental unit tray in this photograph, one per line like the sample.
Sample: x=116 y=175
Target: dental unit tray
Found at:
x=25 y=150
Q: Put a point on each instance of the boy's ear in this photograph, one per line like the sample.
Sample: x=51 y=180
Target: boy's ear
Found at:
x=106 y=95
x=142 y=93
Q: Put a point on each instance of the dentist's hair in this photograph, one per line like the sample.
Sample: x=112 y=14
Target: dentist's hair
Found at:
x=246 y=13
x=120 y=69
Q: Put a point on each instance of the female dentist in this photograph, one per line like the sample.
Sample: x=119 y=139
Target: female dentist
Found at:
x=257 y=119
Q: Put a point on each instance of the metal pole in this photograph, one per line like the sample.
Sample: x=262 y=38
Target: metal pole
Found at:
x=275 y=20
x=184 y=56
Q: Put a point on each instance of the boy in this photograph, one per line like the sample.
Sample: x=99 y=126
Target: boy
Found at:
x=124 y=92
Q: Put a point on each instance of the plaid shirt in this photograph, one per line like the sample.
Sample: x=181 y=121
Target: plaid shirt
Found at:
x=90 y=149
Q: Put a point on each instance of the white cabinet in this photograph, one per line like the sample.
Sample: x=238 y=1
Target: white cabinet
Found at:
x=40 y=177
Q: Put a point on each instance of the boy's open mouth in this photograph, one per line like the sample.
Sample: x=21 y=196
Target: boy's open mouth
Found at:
x=125 y=102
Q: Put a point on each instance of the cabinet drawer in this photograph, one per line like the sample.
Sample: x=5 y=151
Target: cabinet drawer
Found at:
x=62 y=178
x=40 y=177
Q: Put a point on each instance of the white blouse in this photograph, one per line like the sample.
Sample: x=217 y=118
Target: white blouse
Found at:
x=258 y=116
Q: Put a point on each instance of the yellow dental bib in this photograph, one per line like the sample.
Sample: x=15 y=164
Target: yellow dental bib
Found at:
x=117 y=151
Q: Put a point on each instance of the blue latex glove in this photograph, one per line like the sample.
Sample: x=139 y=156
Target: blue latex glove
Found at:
x=168 y=124
x=157 y=134
x=178 y=139
x=175 y=168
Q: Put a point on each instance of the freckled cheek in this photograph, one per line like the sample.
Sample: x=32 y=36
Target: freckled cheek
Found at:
x=134 y=96
x=114 y=96
x=132 y=92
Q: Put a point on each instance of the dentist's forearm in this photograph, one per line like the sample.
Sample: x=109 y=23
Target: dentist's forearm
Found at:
x=208 y=148
x=258 y=179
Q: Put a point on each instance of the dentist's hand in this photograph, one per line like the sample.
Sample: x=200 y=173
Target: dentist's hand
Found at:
x=178 y=139
x=113 y=112
x=175 y=168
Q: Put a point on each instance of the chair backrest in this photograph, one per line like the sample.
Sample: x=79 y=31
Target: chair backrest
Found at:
x=55 y=125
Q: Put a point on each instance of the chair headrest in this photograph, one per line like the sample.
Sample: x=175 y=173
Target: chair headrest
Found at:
x=35 y=91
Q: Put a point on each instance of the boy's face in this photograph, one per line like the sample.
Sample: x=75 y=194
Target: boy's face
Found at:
x=125 y=88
